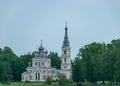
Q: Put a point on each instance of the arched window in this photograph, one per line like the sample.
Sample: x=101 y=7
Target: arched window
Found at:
x=37 y=76
x=65 y=60
x=65 y=52
x=65 y=42
x=42 y=64
x=36 y=64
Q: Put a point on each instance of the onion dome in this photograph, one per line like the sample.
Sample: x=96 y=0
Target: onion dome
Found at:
x=46 y=51
x=41 y=48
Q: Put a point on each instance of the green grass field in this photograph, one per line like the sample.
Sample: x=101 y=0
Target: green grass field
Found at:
x=32 y=84
x=53 y=84
x=24 y=84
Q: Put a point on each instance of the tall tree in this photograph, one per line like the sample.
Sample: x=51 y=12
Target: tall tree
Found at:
x=87 y=54
x=13 y=63
x=5 y=72
x=77 y=75
x=55 y=60
x=26 y=58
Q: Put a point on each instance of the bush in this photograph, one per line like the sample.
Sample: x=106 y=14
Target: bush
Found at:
x=62 y=79
x=48 y=81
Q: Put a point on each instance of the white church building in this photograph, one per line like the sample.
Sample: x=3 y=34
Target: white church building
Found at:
x=40 y=66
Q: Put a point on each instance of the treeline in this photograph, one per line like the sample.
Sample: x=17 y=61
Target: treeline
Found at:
x=94 y=62
x=98 y=62
x=12 y=66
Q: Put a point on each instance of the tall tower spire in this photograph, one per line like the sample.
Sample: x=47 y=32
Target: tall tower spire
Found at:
x=66 y=41
x=66 y=55
x=66 y=24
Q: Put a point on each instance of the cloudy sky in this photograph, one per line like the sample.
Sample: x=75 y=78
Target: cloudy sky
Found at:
x=24 y=23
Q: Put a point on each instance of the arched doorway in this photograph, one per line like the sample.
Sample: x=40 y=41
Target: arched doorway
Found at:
x=37 y=76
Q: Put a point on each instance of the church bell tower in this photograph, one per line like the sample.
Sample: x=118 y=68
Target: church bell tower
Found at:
x=66 y=55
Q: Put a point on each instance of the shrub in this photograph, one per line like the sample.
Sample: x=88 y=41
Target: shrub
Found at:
x=48 y=81
x=62 y=79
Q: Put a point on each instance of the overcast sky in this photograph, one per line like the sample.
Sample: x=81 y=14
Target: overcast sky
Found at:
x=24 y=23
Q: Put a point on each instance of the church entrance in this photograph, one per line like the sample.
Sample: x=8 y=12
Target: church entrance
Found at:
x=37 y=76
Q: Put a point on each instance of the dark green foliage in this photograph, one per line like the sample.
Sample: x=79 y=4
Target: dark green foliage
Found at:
x=48 y=81
x=5 y=72
x=62 y=79
x=17 y=68
x=87 y=54
x=55 y=60
x=100 y=62
x=26 y=58
x=6 y=58
x=11 y=66
x=77 y=71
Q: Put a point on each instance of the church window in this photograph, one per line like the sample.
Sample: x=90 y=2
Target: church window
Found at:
x=65 y=52
x=38 y=76
x=42 y=64
x=36 y=64
x=65 y=42
x=65 y=59
x=39 y=64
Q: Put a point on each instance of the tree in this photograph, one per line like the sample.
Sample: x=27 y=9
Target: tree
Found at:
x=55 y=60
x=99 y=68
x=26 y=58
x=87 y=54
x=77 y=71
x=62 y=79
x=14 y=66
x=5 y=72
x=17 y=68
x=113 y=61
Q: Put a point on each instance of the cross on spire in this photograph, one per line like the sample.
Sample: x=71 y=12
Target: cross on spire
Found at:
x=66 y=25
x=41 y=42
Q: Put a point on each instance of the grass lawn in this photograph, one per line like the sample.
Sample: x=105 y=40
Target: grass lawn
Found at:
x=53 y=84
x=32 y=84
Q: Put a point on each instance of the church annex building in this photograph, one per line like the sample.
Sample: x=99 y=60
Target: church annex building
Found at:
x=40 y=66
